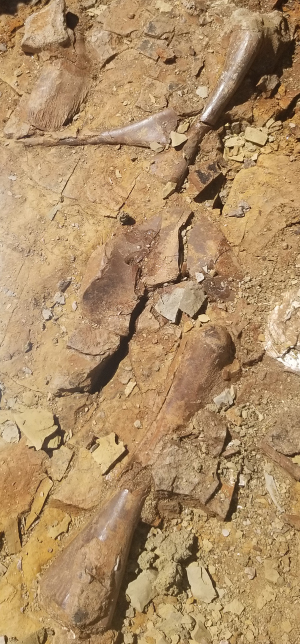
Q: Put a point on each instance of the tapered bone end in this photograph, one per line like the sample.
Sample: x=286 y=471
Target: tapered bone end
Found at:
x=81 y=587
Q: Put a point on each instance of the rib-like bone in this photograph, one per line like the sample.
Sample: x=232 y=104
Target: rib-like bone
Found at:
x=81 y=587
x=155 y=129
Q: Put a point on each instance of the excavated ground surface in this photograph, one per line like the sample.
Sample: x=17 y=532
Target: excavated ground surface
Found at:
x=253 y=557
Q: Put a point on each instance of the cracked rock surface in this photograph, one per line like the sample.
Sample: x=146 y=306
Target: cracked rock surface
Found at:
x=87 y=356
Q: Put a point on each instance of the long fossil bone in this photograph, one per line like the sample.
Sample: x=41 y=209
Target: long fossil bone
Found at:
x=155 y=129
x=243 y=48
x=81 y=587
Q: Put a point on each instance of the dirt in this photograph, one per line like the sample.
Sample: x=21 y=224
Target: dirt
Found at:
x=253 y=556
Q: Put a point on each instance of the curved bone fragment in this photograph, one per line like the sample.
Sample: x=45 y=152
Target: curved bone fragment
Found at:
x=244 y=46
x=155 y=129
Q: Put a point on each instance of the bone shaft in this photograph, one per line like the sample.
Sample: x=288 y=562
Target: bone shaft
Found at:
x=243 y=49
x=198 y=368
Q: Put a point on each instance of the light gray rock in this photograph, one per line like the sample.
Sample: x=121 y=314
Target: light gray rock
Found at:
x=235 y=607
x=225 y=399
x=154 y=540
x=193 y=299
x=176 y=546
x=155 y=635
x=46 y=28
x=103 y=44
x=169 y=304
x=171 y=619
x=202 y=91
x=168 y=579
x=47 y=314
x=128 y=638
x=177 y=139
x=200 y=634
x=146 y=559
x=64 y=284
x=142 y=589
x=10 y=432
x=200 y=583
x=59 y=298
x=253 y=135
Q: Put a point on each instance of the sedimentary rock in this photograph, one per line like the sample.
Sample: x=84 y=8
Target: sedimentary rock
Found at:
x=46 y=28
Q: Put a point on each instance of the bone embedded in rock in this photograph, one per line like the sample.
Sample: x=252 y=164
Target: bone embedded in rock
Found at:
x=82 y=585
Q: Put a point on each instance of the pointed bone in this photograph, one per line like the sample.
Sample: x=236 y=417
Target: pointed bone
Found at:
x=81 y=587
x=155 y=129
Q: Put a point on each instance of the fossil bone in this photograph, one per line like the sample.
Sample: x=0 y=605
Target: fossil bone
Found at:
x=155 y=129
x=243 y=48
x=81 y=587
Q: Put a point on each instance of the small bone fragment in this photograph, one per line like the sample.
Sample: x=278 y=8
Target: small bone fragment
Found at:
x=155 y=129
x=204 y=175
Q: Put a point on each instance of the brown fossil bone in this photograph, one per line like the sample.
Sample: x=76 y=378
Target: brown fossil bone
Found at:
x=195 y=371
x=81 y=587
x=244 y=46
x=155 y=129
